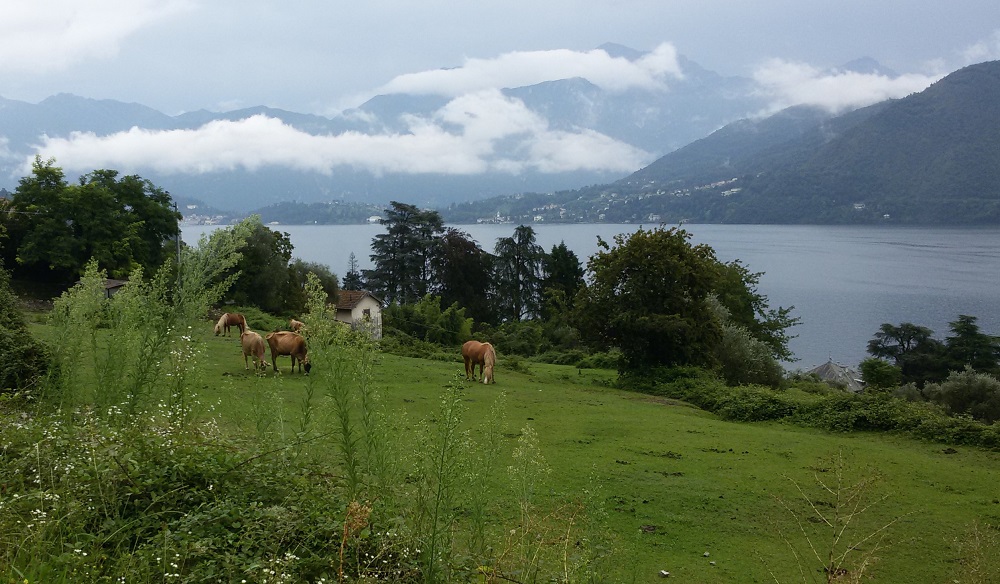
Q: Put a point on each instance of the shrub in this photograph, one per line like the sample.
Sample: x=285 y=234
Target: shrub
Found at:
x=257 y=319
x=525 y=338
x=572 y=357
x=603 y=360
x=879 y=373
x=153 y=503
x=838 y=411
x=755 y=404
x=968 y=392
x=426 y=321
x=744 y=359
x=23 y=360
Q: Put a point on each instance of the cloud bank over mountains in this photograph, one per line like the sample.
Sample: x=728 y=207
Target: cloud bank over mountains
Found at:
x=523 y=68
x=478 y=130
x=461 y=139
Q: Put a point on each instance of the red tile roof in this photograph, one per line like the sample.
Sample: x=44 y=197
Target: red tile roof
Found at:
x=348 y=299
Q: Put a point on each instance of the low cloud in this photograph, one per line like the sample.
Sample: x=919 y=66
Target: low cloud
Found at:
x=522 y=68
x=476 y=133
x=788 y=83
x=38 y=36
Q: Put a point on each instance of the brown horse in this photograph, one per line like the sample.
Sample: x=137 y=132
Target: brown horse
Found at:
x=291 y=344
x=230 y=319
x=482 y=354
x=253 y=347
x=296 y=325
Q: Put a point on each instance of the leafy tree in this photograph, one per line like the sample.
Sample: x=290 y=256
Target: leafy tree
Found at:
x=208 y=270
x=300 y=269
x=426 y=321
x=10 y=232
x=880 y=374
x=403 y=255
x=563 y=270
x=647 y=295
x=264 y=276
x=736 y=289
x=517 y=275
x=122 y=223
x=666 y=302
x=918 y=355
x=743 y=358
x=968 y=347
x=563 y=278
x=353 y=280
x=463 y=274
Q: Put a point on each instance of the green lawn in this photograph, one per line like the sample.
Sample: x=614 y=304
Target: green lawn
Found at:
x=677 y=482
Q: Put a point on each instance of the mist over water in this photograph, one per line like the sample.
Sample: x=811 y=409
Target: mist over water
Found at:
x=843 y=281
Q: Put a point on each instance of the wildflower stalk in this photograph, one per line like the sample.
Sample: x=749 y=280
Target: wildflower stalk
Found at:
x=442 y=476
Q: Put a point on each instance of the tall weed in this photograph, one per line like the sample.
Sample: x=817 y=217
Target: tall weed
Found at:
x=837 y=532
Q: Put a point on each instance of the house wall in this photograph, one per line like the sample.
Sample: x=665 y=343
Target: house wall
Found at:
x=356 y=316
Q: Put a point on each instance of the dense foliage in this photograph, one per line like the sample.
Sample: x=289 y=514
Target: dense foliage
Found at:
x=920 y=358
x=403 y=271
x=57 y=227
x=426 y=321
x=960 y=373
x=518 y=276
x=651 y=295
x=23 y=359
x=829 y=409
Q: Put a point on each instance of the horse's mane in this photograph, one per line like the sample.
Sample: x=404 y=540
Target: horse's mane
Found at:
x=489 y=355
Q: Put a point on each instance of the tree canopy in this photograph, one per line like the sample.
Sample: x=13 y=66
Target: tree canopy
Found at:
x=651 y=295
x=517 y=275
x=121 y=222
x=403 y=255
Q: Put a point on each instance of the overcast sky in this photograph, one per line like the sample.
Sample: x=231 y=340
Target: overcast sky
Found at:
x=321 y=56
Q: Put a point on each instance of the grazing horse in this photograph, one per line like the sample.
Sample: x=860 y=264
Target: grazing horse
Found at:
x=296 y=325
x=482 y=354
x=253 y=347
x=291 y=344
x=230 y=319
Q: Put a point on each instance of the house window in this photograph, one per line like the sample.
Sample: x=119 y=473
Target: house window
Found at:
x=367 y=313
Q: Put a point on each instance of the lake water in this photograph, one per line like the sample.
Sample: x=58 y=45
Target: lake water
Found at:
x=843 y=281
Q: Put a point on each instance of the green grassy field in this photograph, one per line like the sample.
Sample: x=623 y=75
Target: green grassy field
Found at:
x=662 y=485
x=706 y=500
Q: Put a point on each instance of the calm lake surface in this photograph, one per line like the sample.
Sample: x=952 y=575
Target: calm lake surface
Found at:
x=843 y=281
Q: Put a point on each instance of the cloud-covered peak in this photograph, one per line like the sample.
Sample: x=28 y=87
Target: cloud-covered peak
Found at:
x=787 y=83
x=522 y=68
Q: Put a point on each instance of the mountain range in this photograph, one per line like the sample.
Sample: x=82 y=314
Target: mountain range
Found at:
x=653 y=121
x=930 y=158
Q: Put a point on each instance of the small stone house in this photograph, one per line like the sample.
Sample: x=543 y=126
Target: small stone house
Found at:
x=361 y=310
